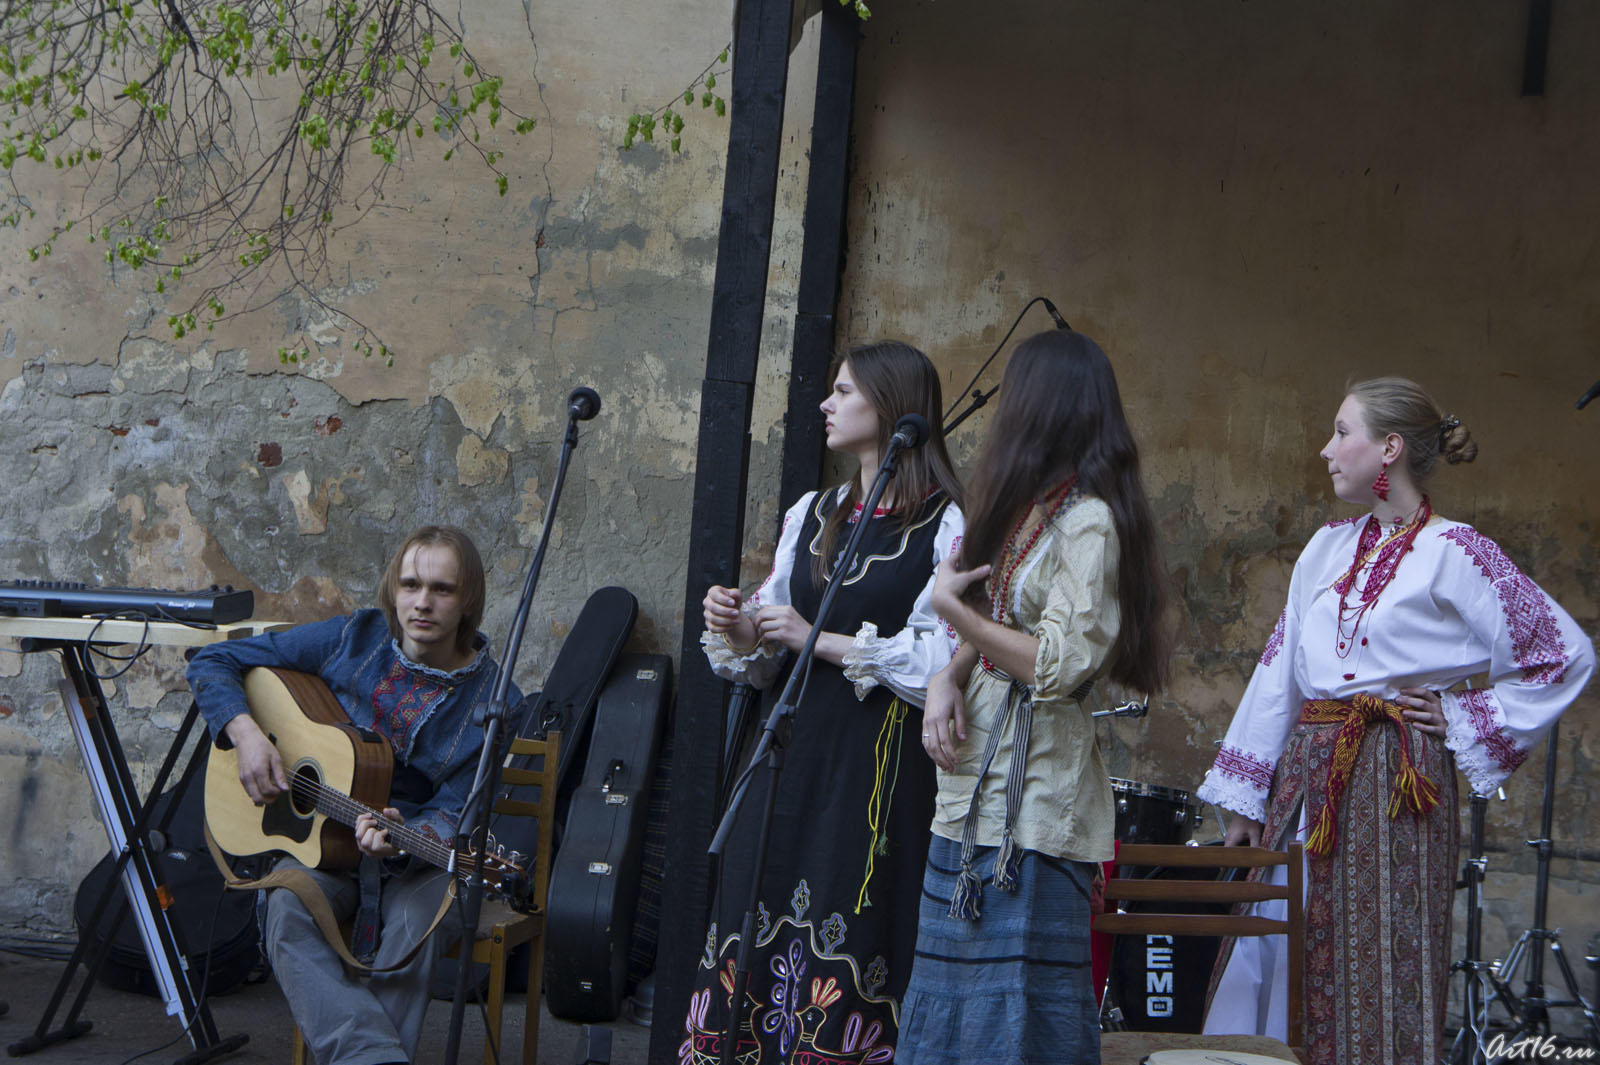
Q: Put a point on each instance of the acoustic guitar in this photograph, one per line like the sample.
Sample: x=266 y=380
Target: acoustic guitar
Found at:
x=336 y=773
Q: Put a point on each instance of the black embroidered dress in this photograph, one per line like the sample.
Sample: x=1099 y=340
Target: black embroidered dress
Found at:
x=837 y=924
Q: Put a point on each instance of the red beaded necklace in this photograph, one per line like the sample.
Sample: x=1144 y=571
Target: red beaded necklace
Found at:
x=1385 y=557
x=1011 y=556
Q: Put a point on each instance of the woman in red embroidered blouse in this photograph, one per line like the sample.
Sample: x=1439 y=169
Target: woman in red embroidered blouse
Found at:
x=1387 y=615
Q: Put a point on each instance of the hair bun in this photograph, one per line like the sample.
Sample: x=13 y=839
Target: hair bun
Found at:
x=1455 y=442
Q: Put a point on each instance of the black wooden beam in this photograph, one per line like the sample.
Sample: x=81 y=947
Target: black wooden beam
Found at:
x=716 y=529
x=1536 y=54
x=822 y=258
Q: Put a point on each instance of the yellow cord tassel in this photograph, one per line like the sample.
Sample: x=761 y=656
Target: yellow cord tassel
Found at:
x=1324 y=835
x=1411 y=788
x=878 y=804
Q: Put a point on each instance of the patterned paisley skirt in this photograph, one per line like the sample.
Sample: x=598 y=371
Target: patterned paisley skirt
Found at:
x=1377 y=908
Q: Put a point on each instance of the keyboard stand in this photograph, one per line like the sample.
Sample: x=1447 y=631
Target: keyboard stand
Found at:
x=127 y=823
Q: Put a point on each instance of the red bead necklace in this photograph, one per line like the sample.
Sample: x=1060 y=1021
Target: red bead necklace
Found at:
x=1385 y=557
x=1011 y=556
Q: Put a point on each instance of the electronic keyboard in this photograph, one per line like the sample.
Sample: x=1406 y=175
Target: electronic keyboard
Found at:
x=71 y=599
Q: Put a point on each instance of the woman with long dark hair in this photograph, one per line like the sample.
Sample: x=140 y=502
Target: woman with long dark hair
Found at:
x=1063 y=584
x=849 y=834
x=1353 y=725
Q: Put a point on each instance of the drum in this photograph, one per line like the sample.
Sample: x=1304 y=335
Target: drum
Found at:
x=1150 y=813
x=1159 y=982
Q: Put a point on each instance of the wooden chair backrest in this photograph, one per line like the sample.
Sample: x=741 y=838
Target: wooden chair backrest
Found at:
x=543 y=809
x=1207 y=888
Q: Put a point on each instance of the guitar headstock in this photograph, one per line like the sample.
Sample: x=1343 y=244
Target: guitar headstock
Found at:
x=504 y=874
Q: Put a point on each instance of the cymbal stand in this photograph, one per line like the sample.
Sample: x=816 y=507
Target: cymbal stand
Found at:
x=1530 y=1013
x=1468 y=1048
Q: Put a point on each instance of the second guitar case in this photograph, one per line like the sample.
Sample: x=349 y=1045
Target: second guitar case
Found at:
x=594 y=883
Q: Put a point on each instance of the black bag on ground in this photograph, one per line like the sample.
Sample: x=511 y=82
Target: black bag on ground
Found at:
x=216 y=927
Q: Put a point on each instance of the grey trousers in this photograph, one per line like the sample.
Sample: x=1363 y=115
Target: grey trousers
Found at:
x=348 y=1020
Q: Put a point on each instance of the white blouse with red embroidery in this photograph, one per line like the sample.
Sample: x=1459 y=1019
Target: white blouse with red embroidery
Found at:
x=1455 y=607
x=901 y=661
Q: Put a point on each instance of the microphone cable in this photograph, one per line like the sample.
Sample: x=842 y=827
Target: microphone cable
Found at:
x=1061 y=323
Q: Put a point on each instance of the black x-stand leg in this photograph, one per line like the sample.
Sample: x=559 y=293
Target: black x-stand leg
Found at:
x=1530 y=1033
x=127 y=822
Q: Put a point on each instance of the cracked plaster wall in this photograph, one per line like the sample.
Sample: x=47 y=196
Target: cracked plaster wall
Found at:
x=1246 y=205
x=133 y=460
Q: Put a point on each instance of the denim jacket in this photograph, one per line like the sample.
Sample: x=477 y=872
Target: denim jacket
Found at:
x=432 y=719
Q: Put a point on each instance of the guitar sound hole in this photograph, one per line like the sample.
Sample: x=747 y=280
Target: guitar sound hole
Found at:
x=303 y=790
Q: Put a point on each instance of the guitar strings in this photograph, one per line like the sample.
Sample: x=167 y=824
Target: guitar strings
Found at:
x=335 y=803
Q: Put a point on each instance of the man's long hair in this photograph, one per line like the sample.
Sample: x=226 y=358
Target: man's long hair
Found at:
x=470 y=585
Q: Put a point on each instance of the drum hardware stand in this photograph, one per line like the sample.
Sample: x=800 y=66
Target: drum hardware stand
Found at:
x=1529 y=1012
x=1468 y=1048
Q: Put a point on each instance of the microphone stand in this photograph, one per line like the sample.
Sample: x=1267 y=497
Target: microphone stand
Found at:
x=1131 y=708
x=775 y=736
x=582 y=405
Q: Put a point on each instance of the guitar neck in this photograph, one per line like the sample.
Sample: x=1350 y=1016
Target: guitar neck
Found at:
x=345 y=810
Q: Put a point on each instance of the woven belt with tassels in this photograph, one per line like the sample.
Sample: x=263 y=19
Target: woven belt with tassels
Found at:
x=965 y=899
x=1411 y=788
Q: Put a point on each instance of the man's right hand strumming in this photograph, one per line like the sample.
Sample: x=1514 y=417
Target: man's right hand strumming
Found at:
x=260 y=765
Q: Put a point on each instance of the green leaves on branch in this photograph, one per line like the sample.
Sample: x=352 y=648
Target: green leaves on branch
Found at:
x=167 y=89
x=644 y=124
x=296 y=356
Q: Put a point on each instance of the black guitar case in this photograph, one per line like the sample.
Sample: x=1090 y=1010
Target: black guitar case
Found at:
x=594 y=883
x=217 y=927
x=567 y=704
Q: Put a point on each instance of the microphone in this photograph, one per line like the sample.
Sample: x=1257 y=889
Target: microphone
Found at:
x=1061 y=323
x=911 y=431
x=583 y=404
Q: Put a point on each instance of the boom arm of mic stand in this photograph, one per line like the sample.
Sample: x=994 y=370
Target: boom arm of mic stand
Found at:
x=979 y=399
x=479 y=807
x=771 y=748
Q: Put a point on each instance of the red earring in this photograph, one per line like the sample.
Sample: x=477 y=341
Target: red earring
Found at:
x=1380 y=486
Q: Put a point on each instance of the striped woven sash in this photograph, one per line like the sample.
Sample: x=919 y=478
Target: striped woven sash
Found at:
x=965 y=900
x=1411 y=788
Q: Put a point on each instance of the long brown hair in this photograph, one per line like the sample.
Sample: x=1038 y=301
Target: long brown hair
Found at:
x=1060 y=413
x=470 y=584
x=897 y=380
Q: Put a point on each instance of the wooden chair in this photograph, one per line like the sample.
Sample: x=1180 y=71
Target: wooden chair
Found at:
x=502 y=929
x=1208 y=862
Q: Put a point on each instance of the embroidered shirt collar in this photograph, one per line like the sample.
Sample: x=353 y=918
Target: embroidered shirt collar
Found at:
x=480 y=644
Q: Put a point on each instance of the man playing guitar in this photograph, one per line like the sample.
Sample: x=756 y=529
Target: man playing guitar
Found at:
x=415 y=672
